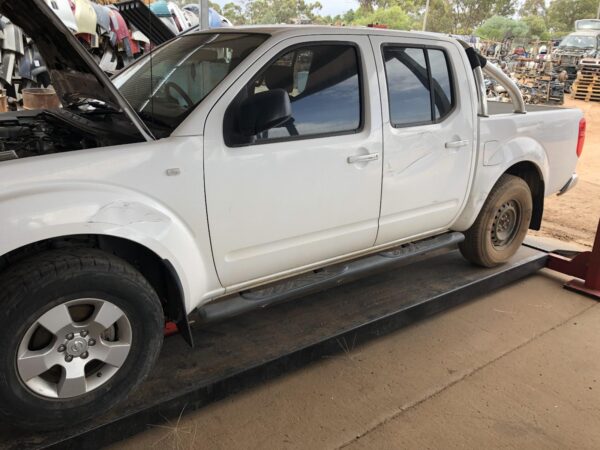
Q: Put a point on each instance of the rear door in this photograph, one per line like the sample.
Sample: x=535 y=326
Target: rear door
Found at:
x=310 y=190
x=429 y=135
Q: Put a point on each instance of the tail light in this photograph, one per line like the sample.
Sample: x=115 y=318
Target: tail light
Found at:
x=581 y=137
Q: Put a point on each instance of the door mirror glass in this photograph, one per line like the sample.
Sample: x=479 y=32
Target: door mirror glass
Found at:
x=263 y=111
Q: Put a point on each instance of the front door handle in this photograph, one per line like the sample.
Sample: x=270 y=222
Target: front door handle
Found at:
x=363 y=158
x=457 y=144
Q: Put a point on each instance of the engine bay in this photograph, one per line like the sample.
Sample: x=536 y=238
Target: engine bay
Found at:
x=25 y=134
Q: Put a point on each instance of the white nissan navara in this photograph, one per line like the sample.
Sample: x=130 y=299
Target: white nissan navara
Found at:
x=230 y=169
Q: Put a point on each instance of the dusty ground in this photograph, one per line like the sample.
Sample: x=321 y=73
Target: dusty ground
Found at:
x=574 y=216
x=519 y=368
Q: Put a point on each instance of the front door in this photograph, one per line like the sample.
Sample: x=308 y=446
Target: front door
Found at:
x=429 y=135
x=310 y=189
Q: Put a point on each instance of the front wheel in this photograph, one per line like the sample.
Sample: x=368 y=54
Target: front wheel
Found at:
x=79 y=330
x=501 y=225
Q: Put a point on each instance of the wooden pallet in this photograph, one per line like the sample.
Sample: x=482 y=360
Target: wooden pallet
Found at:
x=586 y=88
x=588 y=97
x=588 y=78
x=590 y=70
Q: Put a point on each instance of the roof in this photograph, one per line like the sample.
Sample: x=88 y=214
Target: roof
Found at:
x=585 y=33
x=303 y=30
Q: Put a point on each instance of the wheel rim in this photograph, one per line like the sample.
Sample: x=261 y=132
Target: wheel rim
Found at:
x=506 y=224
x=74 y=348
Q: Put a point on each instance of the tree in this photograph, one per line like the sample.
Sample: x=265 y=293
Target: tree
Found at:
x=234 y=13
x=537 y=27
x=533 y=8
x=394 y=17
x=562 y=14
x=279 y=11
x=497 y=28
x=367 y=5
x=469 y=14
x=439 y=18
x=349 y=16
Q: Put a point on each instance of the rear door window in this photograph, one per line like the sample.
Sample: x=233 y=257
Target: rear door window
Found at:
x=419 y=83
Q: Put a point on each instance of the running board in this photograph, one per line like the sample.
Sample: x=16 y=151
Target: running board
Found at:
x=322 y=279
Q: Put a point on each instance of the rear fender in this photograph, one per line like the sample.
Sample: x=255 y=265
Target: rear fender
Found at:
x=496 y=159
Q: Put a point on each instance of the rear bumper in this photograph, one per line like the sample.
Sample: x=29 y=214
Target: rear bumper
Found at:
x=570 y=184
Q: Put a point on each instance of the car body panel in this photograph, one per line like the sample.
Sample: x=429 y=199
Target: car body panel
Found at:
x=416 y=155
x=152 y=194
x=155 y=193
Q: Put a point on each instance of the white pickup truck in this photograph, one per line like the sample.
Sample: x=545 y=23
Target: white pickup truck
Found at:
x=235 y=168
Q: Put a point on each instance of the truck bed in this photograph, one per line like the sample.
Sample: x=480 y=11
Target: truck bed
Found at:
x=553 y=128
x=495 y=108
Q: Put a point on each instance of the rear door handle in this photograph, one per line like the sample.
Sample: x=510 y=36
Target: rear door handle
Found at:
x=363 y=158
x=457 y=144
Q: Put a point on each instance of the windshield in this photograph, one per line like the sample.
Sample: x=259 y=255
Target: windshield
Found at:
x=579 y=41
x=165 y=86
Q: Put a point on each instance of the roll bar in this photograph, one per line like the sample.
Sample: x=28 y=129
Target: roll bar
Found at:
x=480 y=66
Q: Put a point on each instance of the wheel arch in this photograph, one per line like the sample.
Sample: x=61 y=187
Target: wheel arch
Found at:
x=533 y=170
x=532 y=175
x=158 y=271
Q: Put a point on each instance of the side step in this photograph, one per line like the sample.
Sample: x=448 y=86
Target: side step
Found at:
x=322 y=279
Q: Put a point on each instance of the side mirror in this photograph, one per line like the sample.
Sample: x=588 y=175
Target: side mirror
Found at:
x=264 y=111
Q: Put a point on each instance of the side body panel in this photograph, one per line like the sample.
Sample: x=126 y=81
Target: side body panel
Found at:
x=122 y=191
x=277 y=206
x=425 y=183
x=548 y=139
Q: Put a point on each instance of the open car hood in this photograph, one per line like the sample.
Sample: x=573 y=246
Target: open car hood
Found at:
x=74 y=73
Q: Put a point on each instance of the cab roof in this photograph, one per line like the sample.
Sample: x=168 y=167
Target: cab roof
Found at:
x=306 y=30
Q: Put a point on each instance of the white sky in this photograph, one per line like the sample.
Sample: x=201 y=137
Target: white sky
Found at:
x=330 y=7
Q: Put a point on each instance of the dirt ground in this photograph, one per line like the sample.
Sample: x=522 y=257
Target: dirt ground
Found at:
x=574 y=216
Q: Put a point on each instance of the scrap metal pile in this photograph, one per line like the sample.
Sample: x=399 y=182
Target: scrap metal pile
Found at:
x=537 y=79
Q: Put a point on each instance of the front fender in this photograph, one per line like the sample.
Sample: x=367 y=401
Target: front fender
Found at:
x=63 y=209
x=495 y=160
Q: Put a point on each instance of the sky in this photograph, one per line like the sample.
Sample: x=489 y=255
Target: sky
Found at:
x=330 y=7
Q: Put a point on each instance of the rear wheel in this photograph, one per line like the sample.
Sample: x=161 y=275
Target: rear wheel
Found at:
x=80 y=329
x=501 y=225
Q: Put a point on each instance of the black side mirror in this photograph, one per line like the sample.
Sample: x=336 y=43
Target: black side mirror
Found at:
x=264 y=111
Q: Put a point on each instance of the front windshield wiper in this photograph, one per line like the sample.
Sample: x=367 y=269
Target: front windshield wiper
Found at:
x=97 y=105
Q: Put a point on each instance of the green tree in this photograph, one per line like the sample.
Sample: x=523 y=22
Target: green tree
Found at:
x=469 y=14
x=497 y=28
x=349 y=16
x=234 y=13
x=533 y=8
x=279 y=11
x=394 y=17
x=439 y=18
x=562 y=14
x=537 y=27
x=215 y=6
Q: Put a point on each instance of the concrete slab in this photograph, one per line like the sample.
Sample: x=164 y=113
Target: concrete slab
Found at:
x=363 y=396
x=544 y=394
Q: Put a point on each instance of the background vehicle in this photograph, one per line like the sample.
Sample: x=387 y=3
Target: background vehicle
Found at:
x=239 y=166
x=583 y=43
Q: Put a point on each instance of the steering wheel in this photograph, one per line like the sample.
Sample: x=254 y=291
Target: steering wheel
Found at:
x=171 y=85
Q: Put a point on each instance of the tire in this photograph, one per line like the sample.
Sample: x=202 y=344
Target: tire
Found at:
x=509 y=206
x=76 y=293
